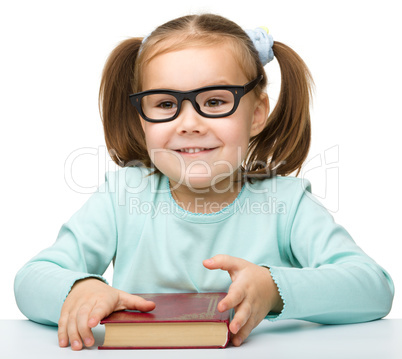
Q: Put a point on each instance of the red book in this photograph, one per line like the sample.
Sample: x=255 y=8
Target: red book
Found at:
x=179 y=320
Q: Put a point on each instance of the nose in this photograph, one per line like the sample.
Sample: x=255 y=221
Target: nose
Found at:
x=189 y=121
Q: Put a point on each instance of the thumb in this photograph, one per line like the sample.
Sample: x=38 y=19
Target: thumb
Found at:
x=134 y=302
x=118 y=302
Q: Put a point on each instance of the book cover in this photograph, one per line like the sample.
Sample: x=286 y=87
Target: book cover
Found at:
x=179 y=320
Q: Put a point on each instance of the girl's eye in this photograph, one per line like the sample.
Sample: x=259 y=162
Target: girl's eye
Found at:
x=167 y=105
x=213 y=102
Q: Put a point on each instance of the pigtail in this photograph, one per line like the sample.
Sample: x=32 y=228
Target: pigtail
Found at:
x=124 y=135
x=283 y=145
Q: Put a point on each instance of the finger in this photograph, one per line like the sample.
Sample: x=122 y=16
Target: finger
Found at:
x=125 y=301
x=72 y=330
x=62 y=330
x=134 y=302
x=242 y=316
x=243 y=333
x=224 y=262
x=235 y=296
x=83 y=328
x=99 y=311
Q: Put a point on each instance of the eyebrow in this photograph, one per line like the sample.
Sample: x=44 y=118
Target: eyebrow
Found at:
x=221 y=82
x=226 y=84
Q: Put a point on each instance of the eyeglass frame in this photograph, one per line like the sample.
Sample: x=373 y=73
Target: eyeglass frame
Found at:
x=237 y=91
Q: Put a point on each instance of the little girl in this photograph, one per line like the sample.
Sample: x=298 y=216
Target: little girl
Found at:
x=203 y=202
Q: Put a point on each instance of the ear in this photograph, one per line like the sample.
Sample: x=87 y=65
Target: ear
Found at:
x=260 y=116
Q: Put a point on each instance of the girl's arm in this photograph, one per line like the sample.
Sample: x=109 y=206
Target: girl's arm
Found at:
x=85 y=246
x=333 y=281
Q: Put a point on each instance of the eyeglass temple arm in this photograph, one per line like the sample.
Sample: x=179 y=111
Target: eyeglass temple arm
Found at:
x=251 y=85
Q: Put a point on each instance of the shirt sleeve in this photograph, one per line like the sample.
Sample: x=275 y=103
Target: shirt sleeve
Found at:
x=84 y=248
x=331 y=280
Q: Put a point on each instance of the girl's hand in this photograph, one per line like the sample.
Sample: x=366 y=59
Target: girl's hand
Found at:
x=89 y=301
x=253 y=294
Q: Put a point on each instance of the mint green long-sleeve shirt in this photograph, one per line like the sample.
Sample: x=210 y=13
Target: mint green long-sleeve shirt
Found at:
x=156 y=246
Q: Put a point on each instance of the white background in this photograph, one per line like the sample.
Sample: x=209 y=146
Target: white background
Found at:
x=52 y=55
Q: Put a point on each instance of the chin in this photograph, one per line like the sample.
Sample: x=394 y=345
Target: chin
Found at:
x=204 y=184
x=195 y=184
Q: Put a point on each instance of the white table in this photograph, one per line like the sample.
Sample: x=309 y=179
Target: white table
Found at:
x=282 y=339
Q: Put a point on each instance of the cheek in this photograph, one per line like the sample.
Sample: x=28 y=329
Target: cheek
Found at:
x=156 y=135
x=237 y=133
x=168 y=162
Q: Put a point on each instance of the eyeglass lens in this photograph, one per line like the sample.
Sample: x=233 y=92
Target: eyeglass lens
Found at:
x=211 y=102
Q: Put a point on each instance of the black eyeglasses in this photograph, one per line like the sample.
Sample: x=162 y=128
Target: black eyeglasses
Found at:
x=210 y=101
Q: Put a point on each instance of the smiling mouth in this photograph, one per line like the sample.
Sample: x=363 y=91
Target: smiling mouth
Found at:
x=193 y=150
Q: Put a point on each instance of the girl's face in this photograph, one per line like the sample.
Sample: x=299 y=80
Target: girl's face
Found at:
x=198 y=152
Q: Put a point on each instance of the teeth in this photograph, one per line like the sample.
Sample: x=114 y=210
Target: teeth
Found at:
x=192 y=150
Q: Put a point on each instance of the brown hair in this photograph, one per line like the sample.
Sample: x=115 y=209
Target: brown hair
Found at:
x=280 y=148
